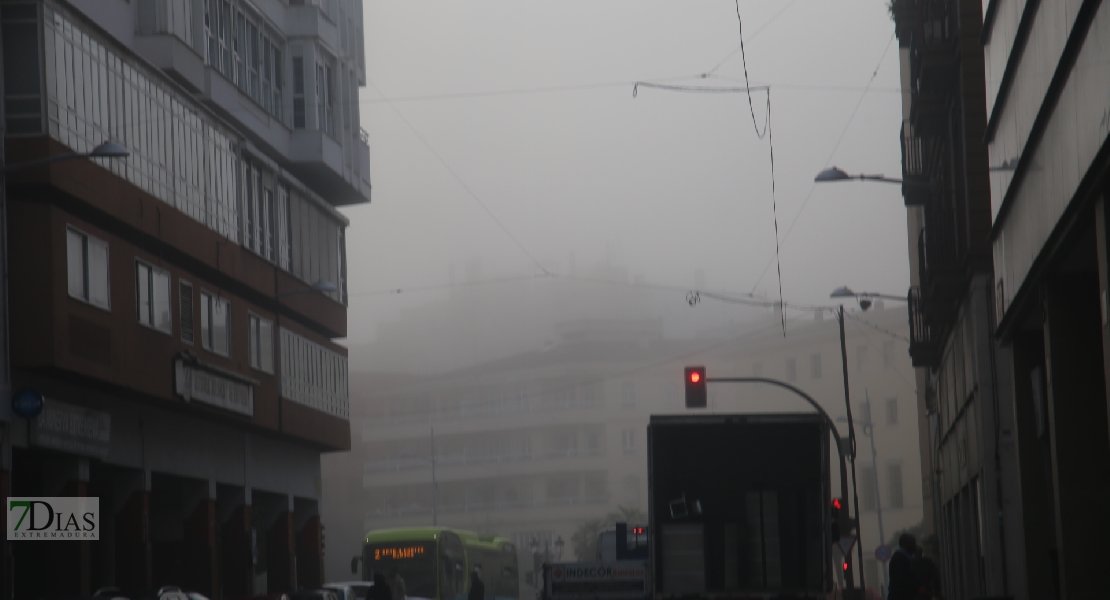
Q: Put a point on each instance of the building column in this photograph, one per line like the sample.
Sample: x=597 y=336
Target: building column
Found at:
x=134 y=566
x=281 y=558
x=199 y=548
x=1079 y=437
x=68 y=476
x=310 y=543
x=235 y=571
x=6 y=589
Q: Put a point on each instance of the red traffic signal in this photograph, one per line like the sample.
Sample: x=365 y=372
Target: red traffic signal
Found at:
x=694 y=380
x=837 y=504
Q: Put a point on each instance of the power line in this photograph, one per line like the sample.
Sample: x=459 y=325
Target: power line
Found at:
x=740 y=48
x=813 y=185
x=462 y=183
x=444 y=286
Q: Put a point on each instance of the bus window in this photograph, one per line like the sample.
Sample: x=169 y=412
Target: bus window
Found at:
x=452 y=568
x=414 y=561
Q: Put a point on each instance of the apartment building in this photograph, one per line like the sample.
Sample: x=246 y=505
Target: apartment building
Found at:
x=177 y=308
x=533 y=445
x=1005 y=149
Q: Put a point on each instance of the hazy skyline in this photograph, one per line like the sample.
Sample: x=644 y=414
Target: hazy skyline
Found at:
x=664 y=184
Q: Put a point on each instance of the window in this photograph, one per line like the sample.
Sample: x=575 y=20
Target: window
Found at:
x=246 y=52
x=891 y=411
x=215 y=324
x=815 y=365
x=628 y=394
x=87 y=267
x=260 y=336
x=888 y=354
x=325 y=92
x=262 y=215
x=628 y=441
x=526 y=447
x=861 y=358
x=894 y=485
x=185 y=307
x=298 y=93
x=791 y=369
x=152 y=291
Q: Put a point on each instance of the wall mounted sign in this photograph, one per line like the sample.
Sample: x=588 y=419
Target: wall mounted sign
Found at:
x=73 y=429
x=201 y=383
x=27 y=403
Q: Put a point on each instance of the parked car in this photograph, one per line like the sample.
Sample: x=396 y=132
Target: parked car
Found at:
x=351 y=590
x=320 y=594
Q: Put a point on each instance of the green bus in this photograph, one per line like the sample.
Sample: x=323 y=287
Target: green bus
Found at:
x=435 y=562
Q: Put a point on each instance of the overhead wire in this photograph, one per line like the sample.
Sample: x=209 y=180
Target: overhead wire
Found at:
x=462 y=183
x=766 y=132
x=740 y=48
x=813 y=185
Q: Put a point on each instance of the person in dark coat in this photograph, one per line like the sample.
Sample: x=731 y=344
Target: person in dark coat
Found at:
x=927 y=576
x=903 y=582
x=381 y=590
x=477 y=588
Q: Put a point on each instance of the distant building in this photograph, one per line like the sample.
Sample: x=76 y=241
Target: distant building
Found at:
x=177 y=307
x=531 y=446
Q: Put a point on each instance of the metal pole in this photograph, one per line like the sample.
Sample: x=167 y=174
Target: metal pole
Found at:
x=435 y=487
x=869 y=430
x=852 y=449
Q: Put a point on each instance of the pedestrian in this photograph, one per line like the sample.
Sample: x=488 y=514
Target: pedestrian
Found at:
x=927 y=574
x=903 y=583
x=396 y=584
x=380 y=591
x=477 y=588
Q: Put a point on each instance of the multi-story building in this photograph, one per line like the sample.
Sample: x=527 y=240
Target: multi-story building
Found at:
x=1046 y=130
x=177 y=308
x=534 y=445
x=968 y=457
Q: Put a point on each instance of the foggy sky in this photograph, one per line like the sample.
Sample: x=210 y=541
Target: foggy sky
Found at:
x=663 y=184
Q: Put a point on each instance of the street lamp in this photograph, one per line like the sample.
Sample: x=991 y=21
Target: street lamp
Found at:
x=865 y=299
x=838 y=174
x=104 y=150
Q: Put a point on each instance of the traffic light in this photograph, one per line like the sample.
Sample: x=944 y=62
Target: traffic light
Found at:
x=837 y=519
x=695 y=387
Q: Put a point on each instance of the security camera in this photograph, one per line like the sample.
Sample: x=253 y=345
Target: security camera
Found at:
x=865 y=303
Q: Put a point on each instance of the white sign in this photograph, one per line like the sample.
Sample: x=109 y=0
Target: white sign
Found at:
x=73 y=429
x=614 y=580
x=204 y=385
x=47 y=518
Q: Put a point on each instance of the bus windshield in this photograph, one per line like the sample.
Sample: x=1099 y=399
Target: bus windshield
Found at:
x=415 y=562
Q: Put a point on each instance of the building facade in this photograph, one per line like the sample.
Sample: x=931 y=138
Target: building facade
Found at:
x=176 y=309
x=1004 y=153
x=1046 y=131
x=532 y=446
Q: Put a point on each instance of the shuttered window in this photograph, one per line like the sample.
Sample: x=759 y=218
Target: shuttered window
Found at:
x=185 y=290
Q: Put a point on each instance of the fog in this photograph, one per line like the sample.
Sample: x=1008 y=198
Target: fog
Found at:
x=524 y=200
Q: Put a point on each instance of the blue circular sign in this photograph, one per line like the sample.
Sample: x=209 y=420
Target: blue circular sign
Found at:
x=883 y=553
x=27 y=403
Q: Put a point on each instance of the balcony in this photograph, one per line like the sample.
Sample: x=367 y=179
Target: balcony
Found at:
x=915 y=186
x=924 y=345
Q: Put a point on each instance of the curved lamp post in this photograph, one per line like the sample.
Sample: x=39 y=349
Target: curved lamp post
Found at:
x=104 y=150
x=838 y=174
x=865 y=299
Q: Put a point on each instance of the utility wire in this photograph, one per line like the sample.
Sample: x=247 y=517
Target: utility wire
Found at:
x=462 y=183
x=813 y=185
x=740 y=48
x=444 y=286
x=881 y=330
x=747 y=89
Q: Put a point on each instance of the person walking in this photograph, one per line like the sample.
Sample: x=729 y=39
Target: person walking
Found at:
x=903 y=582
x=381 y=590
x=477 y=588
x=396 y=585
x=927 y=576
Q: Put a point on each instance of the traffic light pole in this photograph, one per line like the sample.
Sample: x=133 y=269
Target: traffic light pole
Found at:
x=832 y=427
x=851 y=445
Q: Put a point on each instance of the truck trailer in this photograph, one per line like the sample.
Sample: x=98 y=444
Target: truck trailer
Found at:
x=738 y=506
